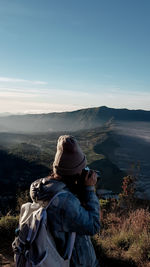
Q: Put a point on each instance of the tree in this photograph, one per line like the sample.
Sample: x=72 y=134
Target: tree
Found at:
x=127 y=197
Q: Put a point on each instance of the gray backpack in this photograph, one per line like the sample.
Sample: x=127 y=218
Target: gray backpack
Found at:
x=34 y=246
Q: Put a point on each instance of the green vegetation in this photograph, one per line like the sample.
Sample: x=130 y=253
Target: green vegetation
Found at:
x=27 y=157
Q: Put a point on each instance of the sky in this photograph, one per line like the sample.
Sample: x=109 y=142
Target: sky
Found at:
x=63 y=55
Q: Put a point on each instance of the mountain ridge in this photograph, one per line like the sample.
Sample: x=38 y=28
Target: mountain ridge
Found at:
x=72 y=120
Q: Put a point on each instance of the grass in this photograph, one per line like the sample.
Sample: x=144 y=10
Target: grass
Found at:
x=8 y=224
x=124 y=237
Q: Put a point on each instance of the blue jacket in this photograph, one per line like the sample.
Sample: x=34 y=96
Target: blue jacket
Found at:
x=66 y=215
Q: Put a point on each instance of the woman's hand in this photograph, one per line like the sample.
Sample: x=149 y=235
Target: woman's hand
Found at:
x=90 y=178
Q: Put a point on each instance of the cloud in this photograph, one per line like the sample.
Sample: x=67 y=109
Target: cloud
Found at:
x=15 y=94
x=39 y=82
x=48 y=108
x=31 y=107
x=41 y=92
x=45 y=100
x=14 y=80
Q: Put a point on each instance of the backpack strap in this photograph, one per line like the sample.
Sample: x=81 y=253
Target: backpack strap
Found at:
x=70 y=246
x=72 y=237
x=57 y=194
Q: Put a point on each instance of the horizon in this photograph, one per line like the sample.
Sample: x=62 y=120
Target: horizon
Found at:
x=5 y=114
x=65 y=57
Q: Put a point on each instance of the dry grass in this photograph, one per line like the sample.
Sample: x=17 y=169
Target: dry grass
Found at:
x=125 y=237
x=8 y=224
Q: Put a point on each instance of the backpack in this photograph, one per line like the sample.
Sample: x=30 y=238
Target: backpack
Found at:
x=34 y=246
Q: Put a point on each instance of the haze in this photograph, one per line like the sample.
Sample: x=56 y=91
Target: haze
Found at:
x=63 y=56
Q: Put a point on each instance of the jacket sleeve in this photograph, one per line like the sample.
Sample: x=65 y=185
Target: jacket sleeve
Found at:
x=79 y=219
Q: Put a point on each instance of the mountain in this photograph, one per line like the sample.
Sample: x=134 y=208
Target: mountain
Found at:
x=5 y=114
x=75 y=120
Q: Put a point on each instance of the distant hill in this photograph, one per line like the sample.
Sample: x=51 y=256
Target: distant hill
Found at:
x=73 y=121
x=3 y=114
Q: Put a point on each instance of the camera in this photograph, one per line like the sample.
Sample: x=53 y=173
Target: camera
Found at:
x=87 y=169
x=80 y=186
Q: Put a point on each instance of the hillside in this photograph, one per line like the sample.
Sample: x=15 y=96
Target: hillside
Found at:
x=76 y=120
x=132 y=153
x=26 y=157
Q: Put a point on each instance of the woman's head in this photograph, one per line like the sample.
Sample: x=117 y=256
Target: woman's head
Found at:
x=69 y=159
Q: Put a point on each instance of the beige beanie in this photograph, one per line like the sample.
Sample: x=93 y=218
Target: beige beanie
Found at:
x=69 y=158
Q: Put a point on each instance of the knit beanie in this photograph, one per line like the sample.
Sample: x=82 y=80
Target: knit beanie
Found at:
x=69 y=158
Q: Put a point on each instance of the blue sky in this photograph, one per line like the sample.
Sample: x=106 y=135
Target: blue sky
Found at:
x=58 y=55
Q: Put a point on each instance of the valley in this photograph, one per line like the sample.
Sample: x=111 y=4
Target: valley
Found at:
x=116 y=142
x=133 y=153
x=27 y=157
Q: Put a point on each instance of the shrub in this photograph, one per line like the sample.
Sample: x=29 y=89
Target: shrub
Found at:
x=139 y=221
x=8 y=224
x=140 y=249
x=22 y=197
x=123 y=240
x=125 y=236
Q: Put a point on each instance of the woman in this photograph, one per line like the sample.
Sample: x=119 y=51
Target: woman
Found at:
x=77 y=209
